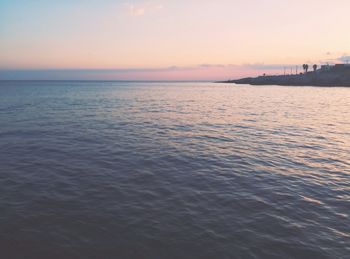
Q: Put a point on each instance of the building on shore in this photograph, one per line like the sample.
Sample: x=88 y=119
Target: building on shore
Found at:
x=336 y=67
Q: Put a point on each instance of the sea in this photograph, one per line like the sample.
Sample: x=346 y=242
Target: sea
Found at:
x=107 y=170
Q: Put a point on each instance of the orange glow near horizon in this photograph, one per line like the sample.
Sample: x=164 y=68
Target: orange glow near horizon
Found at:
x=225 y=34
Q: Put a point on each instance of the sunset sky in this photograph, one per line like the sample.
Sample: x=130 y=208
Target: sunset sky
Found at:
x=168 y=40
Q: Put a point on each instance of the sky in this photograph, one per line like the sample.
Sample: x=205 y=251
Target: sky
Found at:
x=168 y=40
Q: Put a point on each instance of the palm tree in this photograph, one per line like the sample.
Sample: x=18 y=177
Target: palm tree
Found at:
x=306 y=67
x=315 y=67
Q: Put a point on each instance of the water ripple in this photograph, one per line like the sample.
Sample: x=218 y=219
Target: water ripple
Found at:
x=173 y=170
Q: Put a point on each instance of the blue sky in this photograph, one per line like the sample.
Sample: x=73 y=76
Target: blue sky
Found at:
x=159 y=39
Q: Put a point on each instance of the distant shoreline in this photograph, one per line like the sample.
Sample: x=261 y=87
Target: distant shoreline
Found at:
x=332 y=77
x=103 y=80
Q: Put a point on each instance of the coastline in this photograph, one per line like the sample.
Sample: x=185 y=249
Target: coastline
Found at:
x=316 y=78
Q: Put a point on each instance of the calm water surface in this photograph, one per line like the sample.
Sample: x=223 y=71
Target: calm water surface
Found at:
x=173 y=170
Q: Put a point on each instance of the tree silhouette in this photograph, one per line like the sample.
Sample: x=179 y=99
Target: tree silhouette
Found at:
x=305 y=67
x=315 y=67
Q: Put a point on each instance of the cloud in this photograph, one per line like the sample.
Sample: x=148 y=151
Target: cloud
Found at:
x=263 y=66
x=136 y=11
x=159 y=7
x=211 y=72
x=142 y=9
x=344 y=58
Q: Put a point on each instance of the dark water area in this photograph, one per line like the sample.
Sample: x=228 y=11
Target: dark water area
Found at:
x=173 y=170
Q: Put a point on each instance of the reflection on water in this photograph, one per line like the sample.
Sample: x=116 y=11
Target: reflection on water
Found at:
x=173 y=170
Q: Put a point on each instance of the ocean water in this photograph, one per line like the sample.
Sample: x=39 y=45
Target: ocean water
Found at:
x=173 y=170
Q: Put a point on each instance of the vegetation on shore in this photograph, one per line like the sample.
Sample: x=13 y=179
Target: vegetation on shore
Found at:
x=338 y=75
